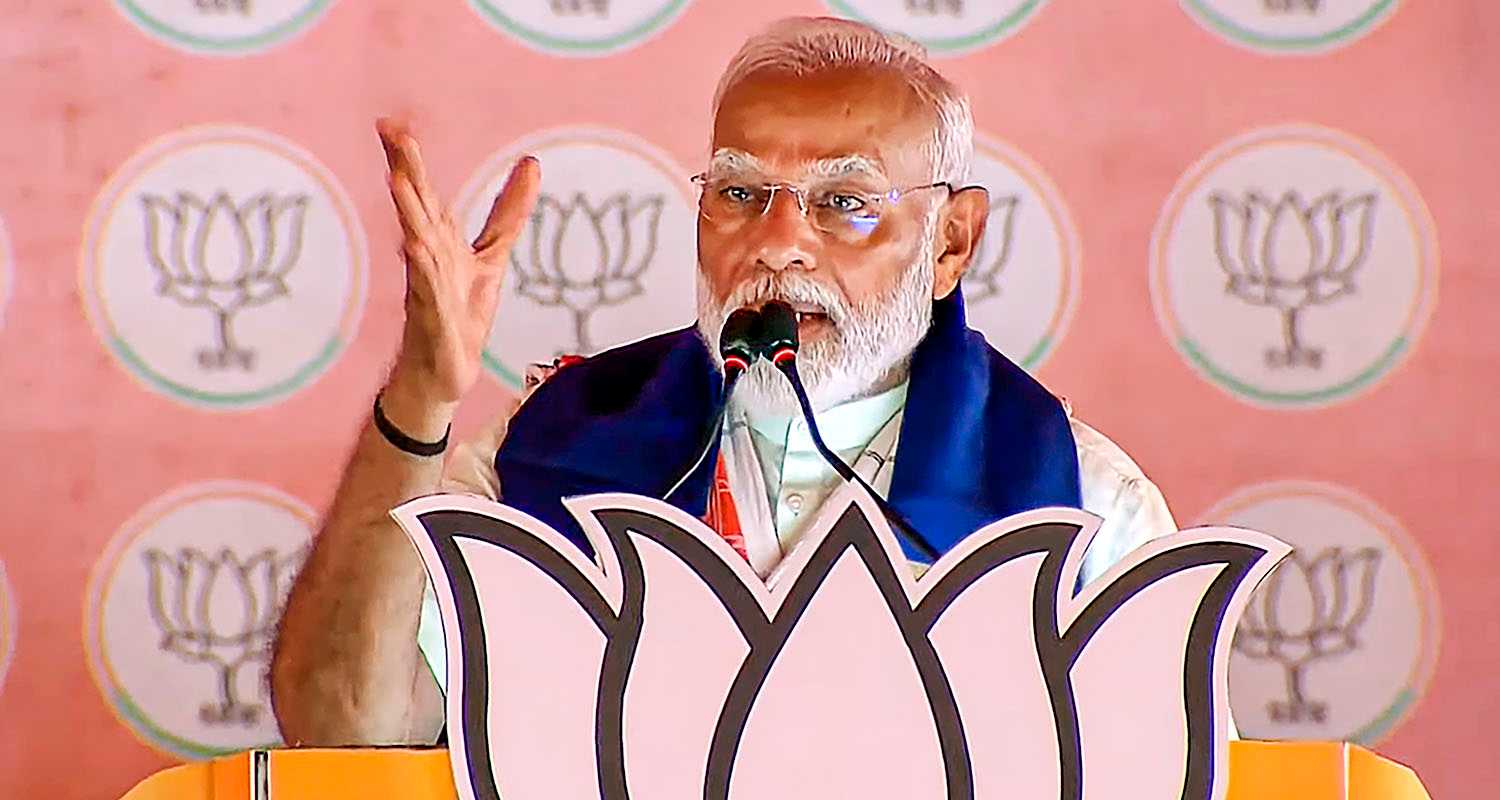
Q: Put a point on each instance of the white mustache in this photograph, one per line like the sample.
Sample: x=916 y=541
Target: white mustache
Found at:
x=793 y=289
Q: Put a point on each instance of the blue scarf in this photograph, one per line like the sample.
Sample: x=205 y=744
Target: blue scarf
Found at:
x=980 y=439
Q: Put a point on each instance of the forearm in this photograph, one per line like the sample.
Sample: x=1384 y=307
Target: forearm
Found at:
x=346 y=668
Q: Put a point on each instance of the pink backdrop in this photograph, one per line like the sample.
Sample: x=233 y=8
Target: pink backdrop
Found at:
x=161 y=479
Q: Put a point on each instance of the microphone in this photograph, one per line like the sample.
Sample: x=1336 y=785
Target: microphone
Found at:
x=737 y=346
x=778 y=343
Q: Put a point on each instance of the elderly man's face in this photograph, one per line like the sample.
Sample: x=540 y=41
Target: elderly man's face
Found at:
x=864 y=291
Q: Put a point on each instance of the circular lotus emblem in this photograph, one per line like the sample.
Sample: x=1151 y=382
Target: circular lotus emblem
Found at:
x=223 y=267
x=183 y=607
x=1294 y=267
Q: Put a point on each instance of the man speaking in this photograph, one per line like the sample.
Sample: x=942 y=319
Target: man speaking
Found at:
x=835 y=186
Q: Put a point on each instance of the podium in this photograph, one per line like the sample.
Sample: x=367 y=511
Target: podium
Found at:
x=1257 y=771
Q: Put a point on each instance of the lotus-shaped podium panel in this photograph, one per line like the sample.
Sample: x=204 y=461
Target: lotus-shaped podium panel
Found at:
x=665 y=669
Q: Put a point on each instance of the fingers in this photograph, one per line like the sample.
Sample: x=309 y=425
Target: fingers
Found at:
x=414 y=219
x=510 y=211
x=411 y=156
x=404 y=157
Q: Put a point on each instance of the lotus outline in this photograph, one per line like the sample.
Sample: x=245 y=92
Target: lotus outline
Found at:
x=224 y=256
x=1311 y=609
x=668 y=669
x=583 y=256
x=1289 y=254
x=220 y=610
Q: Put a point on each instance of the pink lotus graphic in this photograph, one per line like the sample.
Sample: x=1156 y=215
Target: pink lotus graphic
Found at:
x=668 y=670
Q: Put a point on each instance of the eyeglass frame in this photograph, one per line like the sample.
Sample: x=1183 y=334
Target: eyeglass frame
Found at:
x=893 y=195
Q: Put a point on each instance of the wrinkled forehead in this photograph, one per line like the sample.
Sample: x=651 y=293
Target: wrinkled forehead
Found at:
x=855 y=123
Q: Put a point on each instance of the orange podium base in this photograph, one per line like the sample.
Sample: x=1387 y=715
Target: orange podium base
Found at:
x=1257 y=771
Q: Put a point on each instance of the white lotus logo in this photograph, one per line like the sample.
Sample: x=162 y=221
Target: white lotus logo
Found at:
x=224 y=256
x=1290 y=254
x=220 y=610
x=582 y=255
x=669 y=670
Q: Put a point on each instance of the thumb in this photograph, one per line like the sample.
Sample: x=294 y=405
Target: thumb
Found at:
x=511 y=208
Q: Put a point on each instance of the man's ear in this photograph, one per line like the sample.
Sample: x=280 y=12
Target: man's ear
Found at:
x=960 y=225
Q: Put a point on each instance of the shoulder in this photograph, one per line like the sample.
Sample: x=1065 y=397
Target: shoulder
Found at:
x=1115 y=488
x=1099 y=458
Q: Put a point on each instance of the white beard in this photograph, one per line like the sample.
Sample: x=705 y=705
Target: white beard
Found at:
x=869 y=347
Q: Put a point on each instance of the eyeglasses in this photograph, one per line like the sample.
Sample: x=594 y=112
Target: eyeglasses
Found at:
x=837 y=207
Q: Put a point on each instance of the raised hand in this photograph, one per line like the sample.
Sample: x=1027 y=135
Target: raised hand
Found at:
x=452 y=285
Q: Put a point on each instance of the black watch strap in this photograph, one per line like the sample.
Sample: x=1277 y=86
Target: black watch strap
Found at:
x=405 y=443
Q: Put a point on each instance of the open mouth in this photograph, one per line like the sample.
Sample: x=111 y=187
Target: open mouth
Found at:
x=811 y=318
x=809 y=313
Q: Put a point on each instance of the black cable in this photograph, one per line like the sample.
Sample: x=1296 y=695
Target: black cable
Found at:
x=737 y=348
x=711 y=434
x=788 y=367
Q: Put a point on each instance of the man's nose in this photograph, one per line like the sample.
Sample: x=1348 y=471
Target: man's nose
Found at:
x=786 y=237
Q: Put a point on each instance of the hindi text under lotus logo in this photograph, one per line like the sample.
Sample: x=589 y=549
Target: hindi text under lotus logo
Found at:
x=945 y=27
x=580 y=27
x=1290 y=26
x=223 y=27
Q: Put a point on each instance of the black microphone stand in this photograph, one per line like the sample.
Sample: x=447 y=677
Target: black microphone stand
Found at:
x=737 y=348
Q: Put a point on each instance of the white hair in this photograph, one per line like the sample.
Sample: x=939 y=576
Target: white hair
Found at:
x=808 y=45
